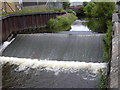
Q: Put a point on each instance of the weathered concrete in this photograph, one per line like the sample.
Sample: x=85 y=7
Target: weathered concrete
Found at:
x=115 y=60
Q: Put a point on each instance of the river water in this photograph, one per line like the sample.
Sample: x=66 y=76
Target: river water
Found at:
x=67 y=59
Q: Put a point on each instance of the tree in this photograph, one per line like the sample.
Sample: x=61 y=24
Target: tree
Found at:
x=97 y=25
x=88 y=9
x=103 y=9
x=85 y=3
x=100 y=9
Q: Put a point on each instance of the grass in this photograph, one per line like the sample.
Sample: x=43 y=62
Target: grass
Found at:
x=34 y=11
x=61 y=23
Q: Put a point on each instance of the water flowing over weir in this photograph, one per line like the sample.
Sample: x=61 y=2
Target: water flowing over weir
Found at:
x=87 y=48
x=68 y=59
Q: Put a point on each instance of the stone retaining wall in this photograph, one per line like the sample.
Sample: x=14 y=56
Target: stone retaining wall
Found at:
x=114 y=72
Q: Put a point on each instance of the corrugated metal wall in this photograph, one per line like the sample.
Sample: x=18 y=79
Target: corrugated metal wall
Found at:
x=16 y=22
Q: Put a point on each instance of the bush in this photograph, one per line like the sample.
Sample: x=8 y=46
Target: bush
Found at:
x=103 y=79
x=88 y=9
x=34 y=11
x=107 y=42
x=71 y=11
x=100 y=9
x=61 y=23
x=58 y=10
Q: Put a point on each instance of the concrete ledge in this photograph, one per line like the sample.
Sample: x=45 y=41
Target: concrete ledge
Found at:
x=35 y=13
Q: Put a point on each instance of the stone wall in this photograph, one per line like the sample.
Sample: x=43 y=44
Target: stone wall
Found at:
x=115 y=67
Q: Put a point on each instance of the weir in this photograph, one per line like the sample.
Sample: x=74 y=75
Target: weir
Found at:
x=57 y=46
x=66 y=59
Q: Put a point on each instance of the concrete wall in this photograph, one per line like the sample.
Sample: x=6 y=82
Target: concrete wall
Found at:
x=115 y=60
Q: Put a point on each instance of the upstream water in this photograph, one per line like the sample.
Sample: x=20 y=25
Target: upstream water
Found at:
x=68 y=59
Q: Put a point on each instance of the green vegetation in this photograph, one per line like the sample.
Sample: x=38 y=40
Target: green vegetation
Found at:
x=101 y=14
x=88 y=9
x=3 y=14
x=102 y=23
x=80 y=11
x=103 y=79
x=57 y=10
x=100 y=26
x=34 y=11
x=96 y=25
x=71 y=11
x=61 y=23
x=100 y=9
x=107 y=41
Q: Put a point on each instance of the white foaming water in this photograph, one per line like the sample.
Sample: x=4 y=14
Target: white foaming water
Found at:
x=24 y=63
x=5 y=44
x=78 y=26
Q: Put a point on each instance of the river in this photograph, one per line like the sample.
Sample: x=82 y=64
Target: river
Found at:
x=67 y=59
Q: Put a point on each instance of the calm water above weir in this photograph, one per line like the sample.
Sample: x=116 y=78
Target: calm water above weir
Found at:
x=67 y=59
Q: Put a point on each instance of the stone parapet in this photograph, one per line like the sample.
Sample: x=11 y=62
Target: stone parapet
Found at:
x=115 y=60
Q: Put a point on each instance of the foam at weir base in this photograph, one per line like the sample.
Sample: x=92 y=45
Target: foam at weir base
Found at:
x=24 y=63
x=5 y=44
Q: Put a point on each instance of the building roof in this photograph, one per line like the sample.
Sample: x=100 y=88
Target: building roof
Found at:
x=76 y=3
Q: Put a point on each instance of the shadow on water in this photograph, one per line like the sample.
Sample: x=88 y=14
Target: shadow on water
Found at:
x=96 y=25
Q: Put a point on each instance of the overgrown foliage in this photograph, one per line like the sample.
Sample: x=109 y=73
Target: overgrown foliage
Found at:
x=34 y=11
x=57 y=10
x=103 y=12
x=71 y=11
x=107 y=41
x=80 y=11
x=96 y=25
x=103 y=79
x=88 y=9
x=100 y=9
x=61 y=23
